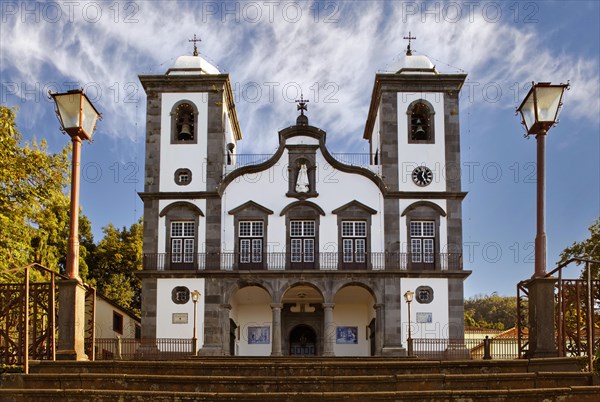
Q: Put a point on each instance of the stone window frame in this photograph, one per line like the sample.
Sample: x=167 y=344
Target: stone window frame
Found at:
x=181 y=211
x=418 y=292
x=302 y=211
x=180 y=171
x=174 y=133
x=118 y=322
x=250 y=211
x=431 y=120
x=425 y=211
x=354 y=211
x=297 y=156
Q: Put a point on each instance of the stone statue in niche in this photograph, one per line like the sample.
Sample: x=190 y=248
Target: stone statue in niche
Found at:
x=302 y=182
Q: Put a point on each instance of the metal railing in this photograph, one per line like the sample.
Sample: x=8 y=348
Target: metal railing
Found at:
x=466 y=349
x=143 y=349
x=348 y=158
x=354 y=159
x=323 y=261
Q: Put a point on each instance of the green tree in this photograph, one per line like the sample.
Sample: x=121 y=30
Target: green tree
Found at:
x=34 y=207
x=118 y=256
x=588 y=249
x=493 y=311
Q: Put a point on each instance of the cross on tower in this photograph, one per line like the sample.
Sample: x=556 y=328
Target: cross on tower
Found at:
x=408 y=51
x=302 y=104
x=195 y=40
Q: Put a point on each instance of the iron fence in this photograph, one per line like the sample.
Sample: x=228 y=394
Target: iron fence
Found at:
x=465 y=349
x=144 y=349
x=324 y=261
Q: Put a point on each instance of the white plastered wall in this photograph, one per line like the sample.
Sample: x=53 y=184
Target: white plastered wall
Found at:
x=413 y=155
x=189 y=156
x=165 y=308
x=438 y=308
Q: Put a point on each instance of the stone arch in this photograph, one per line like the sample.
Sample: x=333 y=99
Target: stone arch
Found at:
x=181 y=205
x=358 y=283
x=184 y=112
x=290 y=285
x=241 y=284
x=427 y=204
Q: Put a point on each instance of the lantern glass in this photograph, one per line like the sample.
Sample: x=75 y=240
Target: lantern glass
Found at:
x=408 y=296
x=528 y=111
x=77 y=114
x=548 y=101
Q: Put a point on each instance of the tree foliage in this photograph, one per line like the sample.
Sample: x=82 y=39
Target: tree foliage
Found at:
x=34 y=206
x=588 y=249
x=116 y=259
x=493 y=311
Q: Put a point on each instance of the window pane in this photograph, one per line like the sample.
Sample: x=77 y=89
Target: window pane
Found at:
x=296 y=228
x=176 y=245
x=256 y=250
x=188 y=250
x=347 y=229
x=415 y=229
x=296 y=245
x=244 y=251
x=347 y=245
x=188 y=229
x=428 y=250
x=245 y=229
x=360 y=250
x=309 y=250
x=428 y=230
x=309 y=228
x=360 y=229
x=176 y=229
x=257 y=229
x=416 y=250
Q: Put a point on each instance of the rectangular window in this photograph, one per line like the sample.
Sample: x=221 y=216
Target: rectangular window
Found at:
x=302 y=241
x=183 y=241
x=251 y=241
x=354 y=241
x=422 y=243
x=117 y=322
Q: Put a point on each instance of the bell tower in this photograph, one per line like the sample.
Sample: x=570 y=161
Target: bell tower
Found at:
x=191 y=133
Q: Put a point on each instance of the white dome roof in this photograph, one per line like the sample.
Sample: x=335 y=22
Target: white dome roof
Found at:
x=191 y=65
x=414 y=64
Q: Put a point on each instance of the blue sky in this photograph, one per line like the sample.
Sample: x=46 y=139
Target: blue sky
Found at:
x=331 y=51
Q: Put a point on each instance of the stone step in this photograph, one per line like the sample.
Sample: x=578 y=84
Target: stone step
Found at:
x=566 y=394
x=269 y=384
x=294 y=367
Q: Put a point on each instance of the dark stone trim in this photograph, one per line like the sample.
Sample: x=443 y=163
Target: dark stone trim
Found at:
x=171 y=195
x=181 y=204
x=250 y=204
x=452 y=142
x=304 y=275
x=297 y=156
x=409 y=83
x=180 y=171
x=424 y=212
x=312 y=132
x=423 y=204
x=354 y=204
x=302 y=204
x=426 y=195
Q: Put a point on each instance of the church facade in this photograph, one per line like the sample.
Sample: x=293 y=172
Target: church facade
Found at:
x=303 y=252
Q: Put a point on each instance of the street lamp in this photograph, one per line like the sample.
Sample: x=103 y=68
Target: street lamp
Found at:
x=408 y=297
x=195 y=297
x=77 y=118
x=539 y=112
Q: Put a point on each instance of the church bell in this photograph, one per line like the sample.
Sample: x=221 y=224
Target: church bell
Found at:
x=420 y=132
x=186 y=132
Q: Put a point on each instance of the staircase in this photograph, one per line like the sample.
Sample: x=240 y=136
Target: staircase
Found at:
x=303 y=379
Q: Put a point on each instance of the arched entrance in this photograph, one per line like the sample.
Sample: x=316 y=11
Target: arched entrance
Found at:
x=303 y=341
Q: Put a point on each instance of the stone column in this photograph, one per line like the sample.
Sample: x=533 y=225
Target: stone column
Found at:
x=329 y=337
x=276 y=341
x=379 y=327
x=542 y=342
x=225 y=311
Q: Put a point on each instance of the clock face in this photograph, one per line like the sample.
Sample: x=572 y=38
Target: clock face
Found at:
x=422 y=176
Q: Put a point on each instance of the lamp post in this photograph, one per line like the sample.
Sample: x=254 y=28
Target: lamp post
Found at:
x=78 y=117
x=195 y=298
x=539 y=112
x=408 y=297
